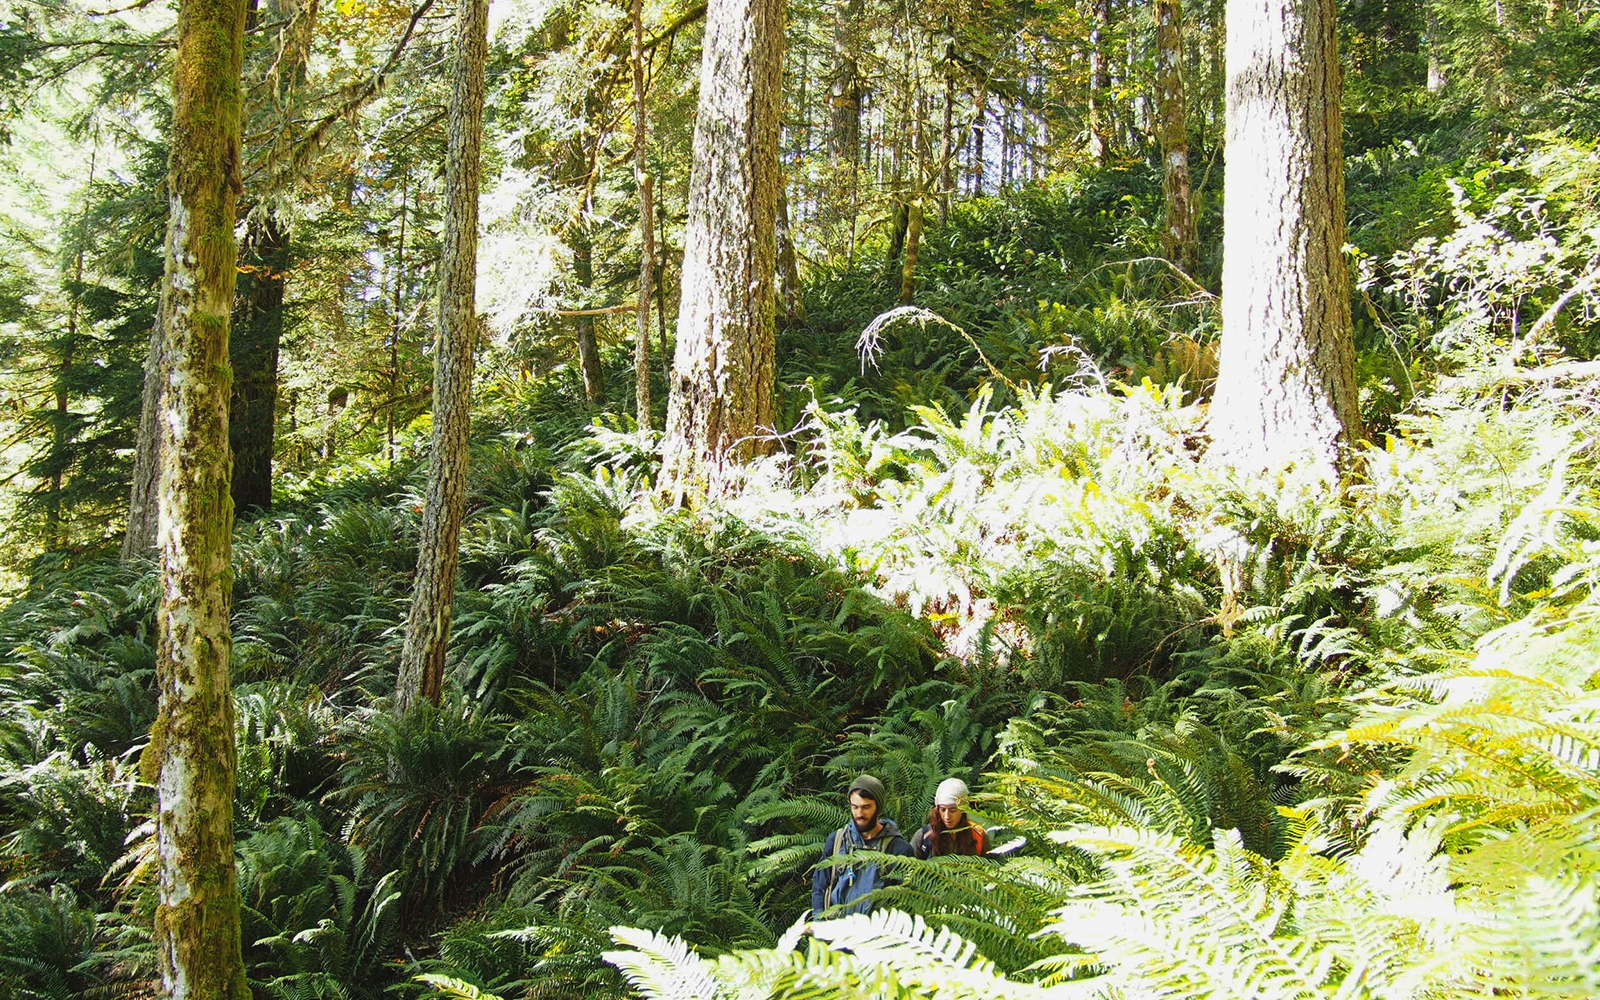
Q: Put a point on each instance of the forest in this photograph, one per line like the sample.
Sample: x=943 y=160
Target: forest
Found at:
x=480 y=479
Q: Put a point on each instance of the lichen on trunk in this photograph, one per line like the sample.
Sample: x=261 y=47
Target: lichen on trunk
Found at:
x=191 y=757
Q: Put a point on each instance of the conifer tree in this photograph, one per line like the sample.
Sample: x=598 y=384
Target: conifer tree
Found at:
x=1286 y=381
x=428 y=624
x=722 y=387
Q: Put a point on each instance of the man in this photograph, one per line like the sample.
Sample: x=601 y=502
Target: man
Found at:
x=867 y=831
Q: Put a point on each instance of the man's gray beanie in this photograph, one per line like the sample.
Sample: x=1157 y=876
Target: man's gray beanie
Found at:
x=871 y=787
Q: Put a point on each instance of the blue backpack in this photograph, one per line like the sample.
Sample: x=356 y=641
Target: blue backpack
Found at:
x=848 y=884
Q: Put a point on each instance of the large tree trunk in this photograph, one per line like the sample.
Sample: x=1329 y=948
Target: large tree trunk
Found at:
x=647 y=237
x=258 y=320
x=1178 y=236
x=191 y=758
x=1286 y=389
x=722 y=388
x=428 y=624
x=258 y=308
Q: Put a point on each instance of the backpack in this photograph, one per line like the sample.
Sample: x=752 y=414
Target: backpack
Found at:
x=846 y=884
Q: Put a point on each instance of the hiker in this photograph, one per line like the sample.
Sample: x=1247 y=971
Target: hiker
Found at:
x=868 y=830
x=949 y=829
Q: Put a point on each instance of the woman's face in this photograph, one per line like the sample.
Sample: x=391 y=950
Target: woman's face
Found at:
x=951 y=816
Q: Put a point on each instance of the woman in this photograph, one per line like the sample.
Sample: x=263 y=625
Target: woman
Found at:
x=949 y=830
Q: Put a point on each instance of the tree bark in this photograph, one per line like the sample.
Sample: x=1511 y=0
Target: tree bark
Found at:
x=845 y=91
x=722 y=388
x=794 y=310
x=908 y=271
x=1286 y=390
x=428 y=624
x=1179 y=238
x=1099 y=83
x=588 y=348
x=258 y=308
x=139 y=537
x=647 y=237
x=191 y=758
x=258 y=318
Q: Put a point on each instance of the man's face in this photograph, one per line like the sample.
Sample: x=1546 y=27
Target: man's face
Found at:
x=863 y=811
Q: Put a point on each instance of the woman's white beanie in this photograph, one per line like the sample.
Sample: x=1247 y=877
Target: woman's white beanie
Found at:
x=952 y=792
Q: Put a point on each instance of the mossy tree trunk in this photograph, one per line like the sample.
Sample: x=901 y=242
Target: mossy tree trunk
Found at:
x=1286 y=390
x=191 y=759
x=1178 y=236
x=433 y=600
x=722 y=385
x=647 y=231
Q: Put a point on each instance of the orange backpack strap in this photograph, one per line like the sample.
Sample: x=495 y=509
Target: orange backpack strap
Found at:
x=980 y=836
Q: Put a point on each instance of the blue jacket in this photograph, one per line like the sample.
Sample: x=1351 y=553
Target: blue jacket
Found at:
x=834 y=886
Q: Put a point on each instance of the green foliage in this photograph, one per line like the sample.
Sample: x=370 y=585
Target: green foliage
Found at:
x=315 y=920
x=51 y=949
x=417 y=790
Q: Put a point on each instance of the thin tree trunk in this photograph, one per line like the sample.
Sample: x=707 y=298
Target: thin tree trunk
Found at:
x=428 y=624
x=1286 y=390
x=980 y=126
x=588 y=348
x=395 y=330
x=647 y=237
x=947 y=128
x=845 y=92
x=661 y=286
x=139 y=537
x=191 y=758
x=722 y=387
x=1180 y=242
x=1099 y=83
x=908 y=272
x=794 y=310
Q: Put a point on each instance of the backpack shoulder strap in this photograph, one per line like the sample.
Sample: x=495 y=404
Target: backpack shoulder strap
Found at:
x=841 y=842
x=980 y=836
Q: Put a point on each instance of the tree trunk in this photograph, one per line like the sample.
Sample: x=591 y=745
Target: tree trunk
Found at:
x=794 y=310
x=947 y=127
x=191 y=758
x=258 y=308
x=980 y=126
x=395 y=330
x=428 y=624
x=908 y=272
x=1099 y=83
x=1286 y=388
x=844 y=102
x=899 y=218
x=139 y=537
x=647 y=231
x=258 y=318
x=1435 y=46
x=588 y=348
x=1178 y=237
x=722 y=389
